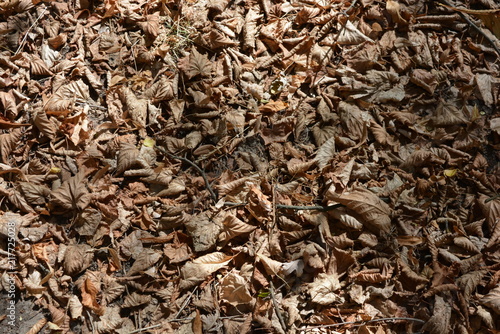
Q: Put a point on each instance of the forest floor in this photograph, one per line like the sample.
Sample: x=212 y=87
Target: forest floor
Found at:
x=216 y=166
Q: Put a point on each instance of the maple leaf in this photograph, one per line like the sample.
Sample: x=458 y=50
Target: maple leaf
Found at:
x=198 y=64
x=72 y=194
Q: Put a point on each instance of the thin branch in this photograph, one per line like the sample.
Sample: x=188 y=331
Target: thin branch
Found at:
x=29 y=30
x=472 y=24
x=144 y=329
x=345 y=12
x=314 y=207
x=186 y=302
x=294 y=207
x=202 y=173
x=361 y=322
x=491 y=198
x=214 y=196
x=276 y=308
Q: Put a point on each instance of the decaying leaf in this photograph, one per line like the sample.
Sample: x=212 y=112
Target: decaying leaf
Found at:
x=260 y=166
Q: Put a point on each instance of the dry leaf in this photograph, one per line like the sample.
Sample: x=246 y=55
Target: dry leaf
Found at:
x=324 y=289
x=375 y=214
x=72 y=195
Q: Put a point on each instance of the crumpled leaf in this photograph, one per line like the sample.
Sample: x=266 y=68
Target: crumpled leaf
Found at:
x=232 y=227
x=349 y=34
x=89 y=297
x=77 y=258
x=8 y=142
x=324 y=289
x=440 y=320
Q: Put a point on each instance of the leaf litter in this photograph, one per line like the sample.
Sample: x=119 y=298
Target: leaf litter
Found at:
x=236 y=167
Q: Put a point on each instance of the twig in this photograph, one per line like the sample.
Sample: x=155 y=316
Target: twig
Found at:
x=276 y=308
x=29 y=30
x=294 y=207
x=491 y=198
x=186 y=302
x=214 y=196
x=349 y=8
x=144 y=329
x=202 y=173
x=314 y=207
x=472 y=24
x=361 y=322
x=234 y=317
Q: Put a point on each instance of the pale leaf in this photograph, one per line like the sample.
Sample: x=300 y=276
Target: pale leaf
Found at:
x=233 y=227
x=324 y=289
x=349 y=34
x=195 y=272
x=234 y=290
x=325 y=153
x=75 y=307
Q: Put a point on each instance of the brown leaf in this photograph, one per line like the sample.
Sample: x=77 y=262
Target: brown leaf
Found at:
x=35 y=193
x=234 y=290
x=492 y=300
x=439 y=322
x=89 y=295
x=72 y=195
x=146 y=259
x=195 y=272
x=8 y=142
x=325 y=153
x=273 y=106
x=44 y=125
x=198 y=65
x=375 y=214
x=77 y=258
x=233 y=227
x=424 y=79
x=136 y=299
x=204 y=230
x=469 y=282
x=127 y=157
